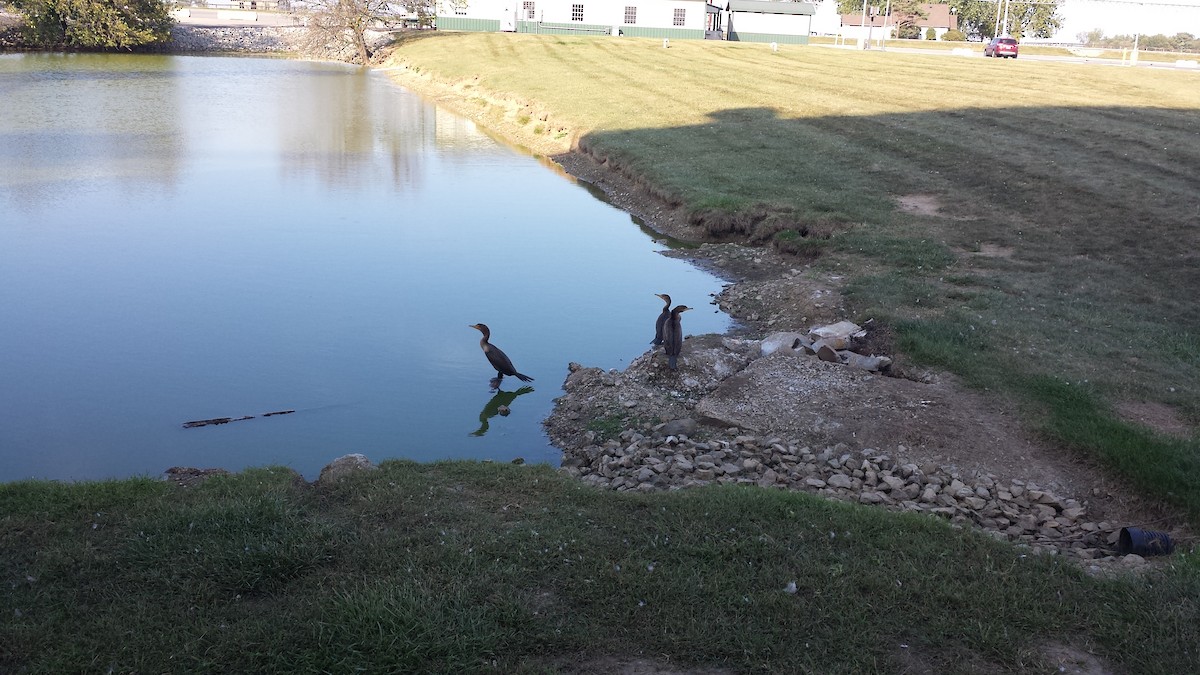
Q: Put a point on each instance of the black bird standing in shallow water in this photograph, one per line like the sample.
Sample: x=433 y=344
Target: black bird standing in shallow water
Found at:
x=497 y=358
x=662 y=319
x=673 y=335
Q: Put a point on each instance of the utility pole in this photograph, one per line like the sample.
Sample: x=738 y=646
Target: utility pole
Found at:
x=862 y=36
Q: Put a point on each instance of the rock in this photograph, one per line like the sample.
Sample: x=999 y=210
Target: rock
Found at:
x=344 y=466
x=814 y=482
x=874 y=364
x=780 y=342
x=1074 y=514
x=686 y=426
x=871 y=497
x=518 y=460
x=845 y=330
x=840 y=480
x=825 y=352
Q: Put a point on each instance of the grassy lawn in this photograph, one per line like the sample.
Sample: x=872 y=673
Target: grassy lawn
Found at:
x=462 y=567
x=1061 y=270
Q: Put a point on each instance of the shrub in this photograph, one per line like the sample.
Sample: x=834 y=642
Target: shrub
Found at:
x=954 y=36
x=94 y=24
x=931 y=34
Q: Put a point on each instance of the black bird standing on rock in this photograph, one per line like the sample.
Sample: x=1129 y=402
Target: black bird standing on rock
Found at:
x=673 y=335
x=662 y=319
x=497 y=358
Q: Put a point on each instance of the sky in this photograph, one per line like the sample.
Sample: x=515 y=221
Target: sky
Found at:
x=1125 y=17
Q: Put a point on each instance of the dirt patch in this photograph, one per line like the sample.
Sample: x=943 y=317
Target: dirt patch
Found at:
x=1067 y=659
x=922 y=205
x=1159 y=417
x=995 y=251
x=612 y=665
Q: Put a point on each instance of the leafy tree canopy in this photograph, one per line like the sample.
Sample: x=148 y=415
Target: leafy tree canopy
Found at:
x=93 y=24
x=977 y=18
x=1180 y=42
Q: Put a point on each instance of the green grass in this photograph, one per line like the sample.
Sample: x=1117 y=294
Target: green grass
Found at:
x=463 y=567
x=1084 y=178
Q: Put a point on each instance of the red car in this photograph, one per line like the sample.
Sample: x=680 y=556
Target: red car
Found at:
x=1001 y=46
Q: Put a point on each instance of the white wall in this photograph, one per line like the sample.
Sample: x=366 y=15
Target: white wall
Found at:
x=650 y=13
x=826 y=21
x=785 y=24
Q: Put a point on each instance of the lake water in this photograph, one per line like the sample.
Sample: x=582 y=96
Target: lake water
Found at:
x=186 y=238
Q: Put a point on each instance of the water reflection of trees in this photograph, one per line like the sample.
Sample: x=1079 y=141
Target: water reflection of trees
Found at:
x=70 y=117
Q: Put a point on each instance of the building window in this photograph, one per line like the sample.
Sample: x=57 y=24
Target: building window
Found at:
x=529 y=12
x=577 y=12
x=680 y=15
x=630 y=15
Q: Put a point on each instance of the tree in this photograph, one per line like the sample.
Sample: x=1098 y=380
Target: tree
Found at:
x=904 y=13
x=977 y=18
x=1182 y=42
x=343 y=24
x=94 y=24
x=1094 y=37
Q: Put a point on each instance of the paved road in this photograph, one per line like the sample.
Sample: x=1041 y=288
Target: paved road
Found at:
x=978 y=54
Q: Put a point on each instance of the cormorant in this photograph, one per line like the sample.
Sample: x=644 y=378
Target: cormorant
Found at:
x=673 y=335
x=497 y=358
x=662 y=319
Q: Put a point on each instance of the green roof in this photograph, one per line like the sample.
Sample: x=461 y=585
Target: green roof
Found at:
x=772 y=7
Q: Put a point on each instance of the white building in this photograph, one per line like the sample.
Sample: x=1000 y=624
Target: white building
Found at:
x=679 y=19
x=769 y=21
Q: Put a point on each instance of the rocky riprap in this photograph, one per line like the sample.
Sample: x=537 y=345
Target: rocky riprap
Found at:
x=236 y=39
x=1017 y=511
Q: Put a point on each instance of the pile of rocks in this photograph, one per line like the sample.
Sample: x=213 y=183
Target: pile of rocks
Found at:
x=1017 y=511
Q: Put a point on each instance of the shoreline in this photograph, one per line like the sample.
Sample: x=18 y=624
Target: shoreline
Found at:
x=768 y=292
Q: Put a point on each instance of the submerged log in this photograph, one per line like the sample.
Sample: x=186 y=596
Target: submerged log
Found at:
x=226 y=420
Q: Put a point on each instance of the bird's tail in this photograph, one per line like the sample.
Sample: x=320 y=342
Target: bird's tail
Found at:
x=671 y=362
x=656 y=341
x=524 y=378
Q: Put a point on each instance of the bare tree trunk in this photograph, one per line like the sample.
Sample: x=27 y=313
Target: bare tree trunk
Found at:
x=360 y=41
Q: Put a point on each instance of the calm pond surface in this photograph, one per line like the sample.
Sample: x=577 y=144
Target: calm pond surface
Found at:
x=186 y=238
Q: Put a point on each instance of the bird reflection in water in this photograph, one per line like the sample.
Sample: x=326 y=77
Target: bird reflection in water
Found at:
x=498 y=406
